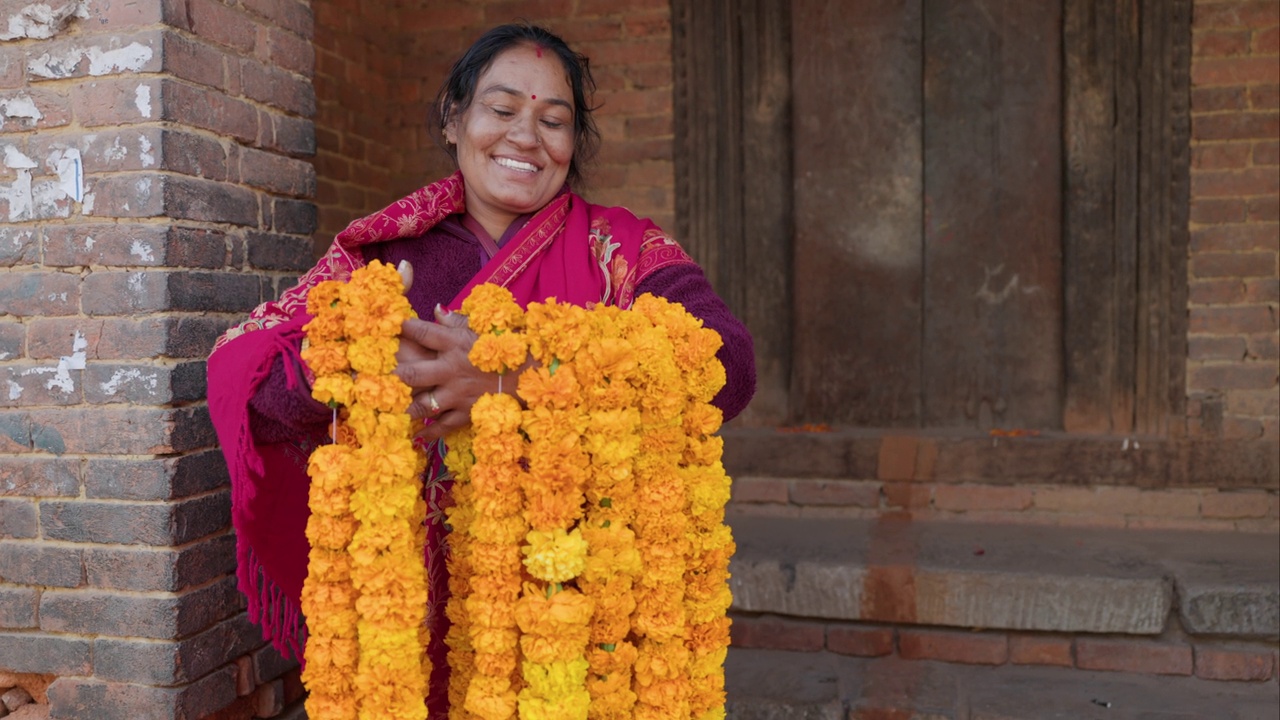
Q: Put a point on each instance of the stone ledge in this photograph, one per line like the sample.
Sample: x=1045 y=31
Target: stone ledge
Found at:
x=773 y=685
x=963 y=456
x=1007 y=577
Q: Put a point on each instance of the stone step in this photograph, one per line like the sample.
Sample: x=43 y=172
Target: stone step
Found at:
x=1008 y=577
x=777 y=685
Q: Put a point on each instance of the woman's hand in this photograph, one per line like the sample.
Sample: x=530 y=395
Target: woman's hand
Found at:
x=432 y=361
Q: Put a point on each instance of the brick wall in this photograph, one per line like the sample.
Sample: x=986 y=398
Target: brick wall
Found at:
x=154 y=188
x=1235 y=206
x=377 y=72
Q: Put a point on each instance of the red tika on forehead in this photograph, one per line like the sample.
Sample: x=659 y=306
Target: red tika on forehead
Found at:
x=538 y=49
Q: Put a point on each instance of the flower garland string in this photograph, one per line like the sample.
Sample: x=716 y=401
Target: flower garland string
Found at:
x=366 y=591
x=608 y=484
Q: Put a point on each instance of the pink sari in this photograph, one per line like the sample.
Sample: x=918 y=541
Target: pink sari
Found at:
x=570 y=250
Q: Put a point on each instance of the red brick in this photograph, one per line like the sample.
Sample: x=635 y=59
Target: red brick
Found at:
x=45 y=654
x=776 y=633
x=1223 y=183
x=18 y=609
x=13 y=67
x=291 y=52
x=1231 y=320
x=269 y=699
x=1258 y=13
x=1207 y=242
x=213 y=20
x=970 y=648
x=191 y=59
x=835 y=492
x=210 y=110
x=13 y=336
x=1232 y=377
x=116 y=101
x=1234 y=71
x=69 y=57
x=1266 y=153
x=1216 y=43
x=1215 y=348
x=39 y=294
x=1264 y=97
x=509 y=11
x=1219 y=98
x=1262 y=290
x=281 y=89
x=291 y=15
x=19 y=246
x=1039 y=650
x=49 y=477
x=981 y=497
x=1231 y=665
x=1266 y=42
x=1137 y=657
x=53 y=109
x=18 y=519
x=759 y=490
x=1235 y=126
x=111 y=431
x=1221 y=291
x=861 y=642
x=277 y=174
x=1264 y=209
x=1220 y=156
x=41 y=564
x=1263 y=347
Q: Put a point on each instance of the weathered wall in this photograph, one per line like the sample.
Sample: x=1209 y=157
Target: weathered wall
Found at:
x=1235 y=206
x=152 y=190
x=378 y=66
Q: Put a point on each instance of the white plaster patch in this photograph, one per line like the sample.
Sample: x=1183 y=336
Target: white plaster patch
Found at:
x=70 y=171
x=15 y=159
x=136 y=283
x=41 y=21
x=46 y=200
x=142 y=100
x=129 y=58
x=145 y=155
x=116 y=151
x=88 y=239
x=15 y=390
x=18 y=193
x=87 y=209
x=21 y=107
x=148 y=380
x=142 y=251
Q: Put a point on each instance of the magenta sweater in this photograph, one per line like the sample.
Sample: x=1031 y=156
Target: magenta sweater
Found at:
x=443 y=262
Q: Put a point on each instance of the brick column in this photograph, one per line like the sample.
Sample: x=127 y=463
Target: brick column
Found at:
x=1235 y=208
x=154 y=188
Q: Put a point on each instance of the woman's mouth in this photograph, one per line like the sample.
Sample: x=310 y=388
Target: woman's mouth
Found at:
x=516 y=165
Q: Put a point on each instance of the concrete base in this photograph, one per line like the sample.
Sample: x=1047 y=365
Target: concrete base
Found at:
x=770 y=684
x=1008 y=577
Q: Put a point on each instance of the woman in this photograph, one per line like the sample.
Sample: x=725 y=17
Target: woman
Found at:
x=515 y=115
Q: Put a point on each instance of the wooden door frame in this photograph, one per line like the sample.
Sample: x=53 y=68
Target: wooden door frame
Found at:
x=1126 y=189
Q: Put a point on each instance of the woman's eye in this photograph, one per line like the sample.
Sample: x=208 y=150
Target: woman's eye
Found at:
x=553 y=124
x=502 y=112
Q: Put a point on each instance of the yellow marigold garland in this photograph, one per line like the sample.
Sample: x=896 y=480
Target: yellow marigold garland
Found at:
x=614 y=500
x=365 y=594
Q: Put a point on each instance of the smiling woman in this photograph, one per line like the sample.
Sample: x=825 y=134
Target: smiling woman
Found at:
x=515 y=114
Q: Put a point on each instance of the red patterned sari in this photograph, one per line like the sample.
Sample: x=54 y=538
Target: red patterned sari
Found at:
x=570 y=250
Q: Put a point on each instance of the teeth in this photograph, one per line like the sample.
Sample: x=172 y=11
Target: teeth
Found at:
x=515 y=164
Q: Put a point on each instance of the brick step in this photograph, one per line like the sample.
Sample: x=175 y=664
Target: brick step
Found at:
x=1009 y=577
x=778 y=685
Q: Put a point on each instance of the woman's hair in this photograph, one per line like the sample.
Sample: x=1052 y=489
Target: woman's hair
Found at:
x=459 y=87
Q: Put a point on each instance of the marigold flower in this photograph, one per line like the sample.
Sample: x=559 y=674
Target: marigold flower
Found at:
x=555 y=556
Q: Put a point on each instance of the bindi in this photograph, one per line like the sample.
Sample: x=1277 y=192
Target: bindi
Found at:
x=533 y=97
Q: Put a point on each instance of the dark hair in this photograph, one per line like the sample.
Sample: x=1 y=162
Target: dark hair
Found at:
x=459 y=87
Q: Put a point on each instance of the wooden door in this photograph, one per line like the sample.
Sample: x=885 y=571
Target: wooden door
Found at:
x=927 y=212
x=943 y=213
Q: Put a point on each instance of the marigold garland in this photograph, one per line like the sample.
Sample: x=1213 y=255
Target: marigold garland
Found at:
x=365 y=595
x=607 y=487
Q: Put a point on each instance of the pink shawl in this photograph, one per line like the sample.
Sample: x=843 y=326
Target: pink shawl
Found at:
x=570 y=250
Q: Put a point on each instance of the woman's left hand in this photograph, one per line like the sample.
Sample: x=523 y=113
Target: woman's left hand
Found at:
x=444 y=382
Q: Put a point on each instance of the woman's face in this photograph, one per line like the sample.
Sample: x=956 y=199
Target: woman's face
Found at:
x=515 y=142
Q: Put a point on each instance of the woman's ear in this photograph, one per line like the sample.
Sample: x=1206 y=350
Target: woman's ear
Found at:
x=451 y=126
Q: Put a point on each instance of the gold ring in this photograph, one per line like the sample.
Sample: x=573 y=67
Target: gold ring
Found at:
x=435 y=406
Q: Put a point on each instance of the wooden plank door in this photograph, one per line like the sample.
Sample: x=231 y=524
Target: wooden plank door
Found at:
x=927 y=213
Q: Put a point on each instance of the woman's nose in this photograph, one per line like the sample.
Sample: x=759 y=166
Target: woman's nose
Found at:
x=524 y=131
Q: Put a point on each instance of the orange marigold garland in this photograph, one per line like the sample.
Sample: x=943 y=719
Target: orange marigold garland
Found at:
x=365 y=594
x=618 y=516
